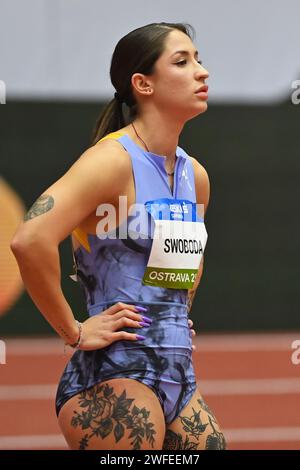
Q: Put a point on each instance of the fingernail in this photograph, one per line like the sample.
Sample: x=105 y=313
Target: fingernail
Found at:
x=146 y=319
x=141 y=309
x=146 y=325
x=140 y=338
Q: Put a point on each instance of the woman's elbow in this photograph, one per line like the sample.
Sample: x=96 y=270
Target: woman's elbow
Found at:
x=18 y=245
x=23 y=241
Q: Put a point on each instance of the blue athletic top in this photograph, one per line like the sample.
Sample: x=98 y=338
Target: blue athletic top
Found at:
x=111 y=270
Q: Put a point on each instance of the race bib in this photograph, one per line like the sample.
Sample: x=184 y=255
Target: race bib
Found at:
x=179 y=239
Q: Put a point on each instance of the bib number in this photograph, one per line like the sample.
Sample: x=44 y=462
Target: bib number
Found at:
x=179 y=240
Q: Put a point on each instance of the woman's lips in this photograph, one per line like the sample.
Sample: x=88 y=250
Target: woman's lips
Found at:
x=202 y=88
x=203 y=92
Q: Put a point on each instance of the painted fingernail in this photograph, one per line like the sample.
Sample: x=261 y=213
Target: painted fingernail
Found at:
x=141 y=309
x=146 y=319
x=146 y=325
x=140 y=338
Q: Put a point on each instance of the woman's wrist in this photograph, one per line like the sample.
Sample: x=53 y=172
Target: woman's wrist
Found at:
x=69 y=331
x=78 y=341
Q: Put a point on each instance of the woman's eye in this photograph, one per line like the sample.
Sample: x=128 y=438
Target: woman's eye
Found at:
x=183 y=62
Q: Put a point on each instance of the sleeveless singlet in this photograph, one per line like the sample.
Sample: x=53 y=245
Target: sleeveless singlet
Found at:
x=154 y=273
x=112 y=269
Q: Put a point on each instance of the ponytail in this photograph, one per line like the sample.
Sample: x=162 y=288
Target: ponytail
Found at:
x=110 y=119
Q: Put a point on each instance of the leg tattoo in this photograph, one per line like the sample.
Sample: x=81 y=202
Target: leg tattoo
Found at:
x=194 y=428
x=108 y=413
x=174 y=441
x=215 y=440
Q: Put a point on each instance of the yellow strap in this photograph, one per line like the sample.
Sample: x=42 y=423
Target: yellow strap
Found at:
x=82 y=237
x=112 y=135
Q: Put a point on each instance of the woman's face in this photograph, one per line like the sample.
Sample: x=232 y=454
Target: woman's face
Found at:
x=177 y=76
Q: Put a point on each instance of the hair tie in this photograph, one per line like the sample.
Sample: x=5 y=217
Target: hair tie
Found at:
x=118 y=97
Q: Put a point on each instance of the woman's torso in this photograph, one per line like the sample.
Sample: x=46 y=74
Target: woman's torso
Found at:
x=112 y=270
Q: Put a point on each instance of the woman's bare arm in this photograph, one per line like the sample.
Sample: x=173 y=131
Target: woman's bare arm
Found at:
x=99 y=175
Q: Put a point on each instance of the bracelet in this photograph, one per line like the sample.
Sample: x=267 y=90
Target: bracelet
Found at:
x=78 y=342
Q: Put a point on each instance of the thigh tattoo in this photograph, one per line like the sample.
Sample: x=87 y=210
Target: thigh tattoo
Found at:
x=195 y=429
x=104 y=413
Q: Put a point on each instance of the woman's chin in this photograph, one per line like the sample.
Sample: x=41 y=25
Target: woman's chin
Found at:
x=203 y=106
x=200 y=109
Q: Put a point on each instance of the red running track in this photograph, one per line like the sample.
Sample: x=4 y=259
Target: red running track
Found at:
x=248 y=380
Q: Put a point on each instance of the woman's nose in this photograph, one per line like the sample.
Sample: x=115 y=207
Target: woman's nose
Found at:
x=204 y=72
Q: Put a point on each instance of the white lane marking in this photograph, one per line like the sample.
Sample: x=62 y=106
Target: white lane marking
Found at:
x=47 y=441
x=271 y=434
x=27 y=392
x=204 y=342
x=245 y=342
x=276 y=386
x=234 y=435
x=35 y=346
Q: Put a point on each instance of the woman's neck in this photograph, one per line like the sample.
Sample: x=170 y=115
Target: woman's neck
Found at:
x=160 y=138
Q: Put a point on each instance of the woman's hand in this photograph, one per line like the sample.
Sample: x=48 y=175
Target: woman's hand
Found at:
x=193 y=332
x=103 y=329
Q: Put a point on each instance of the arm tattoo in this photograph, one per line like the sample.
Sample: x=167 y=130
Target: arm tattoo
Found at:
x=43 y=204
x=65 y=334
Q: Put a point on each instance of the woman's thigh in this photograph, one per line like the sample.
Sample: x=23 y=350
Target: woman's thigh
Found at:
x=195 y=428
x=121 y=414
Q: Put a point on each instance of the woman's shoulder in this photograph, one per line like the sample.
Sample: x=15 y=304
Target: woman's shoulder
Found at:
x=111 y=136
x=107 y=153
x=202 y=183
x=199 y=170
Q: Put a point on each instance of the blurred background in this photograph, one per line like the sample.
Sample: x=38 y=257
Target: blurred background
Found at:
x=54 y=80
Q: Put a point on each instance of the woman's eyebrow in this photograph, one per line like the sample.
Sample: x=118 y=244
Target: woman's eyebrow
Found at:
x=184 y=52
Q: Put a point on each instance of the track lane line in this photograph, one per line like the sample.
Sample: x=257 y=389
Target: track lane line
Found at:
x=276 y=386
x=235 y=435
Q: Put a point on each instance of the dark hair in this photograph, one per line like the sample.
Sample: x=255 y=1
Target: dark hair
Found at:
x=136 y=52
